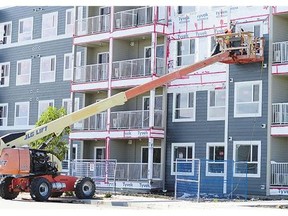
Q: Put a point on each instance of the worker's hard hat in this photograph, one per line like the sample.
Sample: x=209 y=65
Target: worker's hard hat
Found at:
x=227 y=30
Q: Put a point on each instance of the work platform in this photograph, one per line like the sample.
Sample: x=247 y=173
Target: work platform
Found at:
x=244 y=48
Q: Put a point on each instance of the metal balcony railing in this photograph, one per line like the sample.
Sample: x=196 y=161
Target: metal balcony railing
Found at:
x=92 y=25
x=96 y=122
x=91 y=73
x=134 y=119
x=136 y=68
x=279 y=174
x=280 y=52
x=132 y=18
x=280 y=113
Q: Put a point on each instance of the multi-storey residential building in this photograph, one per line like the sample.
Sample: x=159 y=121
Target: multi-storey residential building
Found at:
x=223 y=114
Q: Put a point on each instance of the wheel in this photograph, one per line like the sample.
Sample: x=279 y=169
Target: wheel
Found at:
x=40 y=189
x=5 y=191
x=56 y=194
x=84 y=188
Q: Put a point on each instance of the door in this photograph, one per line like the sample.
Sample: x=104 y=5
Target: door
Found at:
x=102 y=66
x=104 y=19
x=99 y=163
x=157 y=111
x=156 y=162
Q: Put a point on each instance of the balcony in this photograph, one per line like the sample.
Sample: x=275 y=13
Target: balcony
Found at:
x=97 y=29
x=279 y=119
x=138 y=119
x=92 y=25
x=133 y=18
x=279 y=178
x=135 y=68
x=280 y=58
x=123 y=125
x=133 y=71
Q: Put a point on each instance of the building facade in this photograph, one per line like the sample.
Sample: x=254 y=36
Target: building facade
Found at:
x=223 y=113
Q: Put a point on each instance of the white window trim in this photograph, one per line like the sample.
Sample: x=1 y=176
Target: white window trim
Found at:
x=208 y=107
x=56 y=22
x=255 y=142
x=259 y=114
x=196 y=53
x=29 y=74
x=69 y=29
x=173 y=145
x=30 y=33
x=6 y=119
x=174 y=105
x=70 y=55
x=41 y=62
x=7 y=78
x=42 y=102
x=99 y=147
x=8 y=41
x=69 y=100
x=20 y=103
x=207 y=158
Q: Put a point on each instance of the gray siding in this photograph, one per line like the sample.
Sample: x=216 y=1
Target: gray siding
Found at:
x=199 y=132
x=280 y=29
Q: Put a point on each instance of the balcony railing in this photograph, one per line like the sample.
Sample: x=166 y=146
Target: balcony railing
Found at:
x=96 y=122
x=280 y=52
x=92 y=25
x=91 y=73
x=280 y=113
x=99 y=169
x=134 y=17
x=136 y=68
x=134 y=119
x=279 y=174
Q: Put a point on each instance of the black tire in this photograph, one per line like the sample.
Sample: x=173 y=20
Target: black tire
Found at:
x=56 y=194
x=84 y=188
x=5 y=192
x=40 y=189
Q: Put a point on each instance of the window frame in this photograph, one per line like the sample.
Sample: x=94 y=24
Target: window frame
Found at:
x=66 y=71
x=29 y=34
x=44 y=103
x=174 y=109
x=208 y=161
x=53 y=72
x=7 y=77
x=9 y=35
x=181 y=11
x=45 y=33
x=18 y=76
x=248 y=143
x=187 y=145
x=69 y=28
x=252 y=84
x=209 y=107
x=191 y=52
x=4 y=119
x=27 y=103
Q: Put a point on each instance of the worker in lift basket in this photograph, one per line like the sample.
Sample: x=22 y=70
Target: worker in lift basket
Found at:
x=227 y=37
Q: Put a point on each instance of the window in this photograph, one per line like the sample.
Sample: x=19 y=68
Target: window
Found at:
x=25 y=31
x=183 y=151
x=216 y=105
x=69 y=27
x=184 y=106
x=67 y=104
x=215 y=153
x=49 y=24
x=185 y=9
x=47 y=69
x=5 y=33
x=185 y=52
x=43 y=105
x=247 y=157
x=21 y=113
x=4 y=74
x=68 y=66
x=248 y=99
x=3 y=114
x=23 y=72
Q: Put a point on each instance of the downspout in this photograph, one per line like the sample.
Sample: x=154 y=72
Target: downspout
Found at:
x=269 y=110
